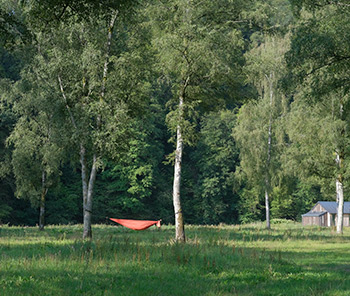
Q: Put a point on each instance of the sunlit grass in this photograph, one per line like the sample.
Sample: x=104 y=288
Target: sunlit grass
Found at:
x=216 y=260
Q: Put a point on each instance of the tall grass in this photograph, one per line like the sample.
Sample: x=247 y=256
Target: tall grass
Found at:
x=216 y=260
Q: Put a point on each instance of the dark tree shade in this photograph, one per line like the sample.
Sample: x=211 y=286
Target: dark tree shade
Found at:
x=45 y=12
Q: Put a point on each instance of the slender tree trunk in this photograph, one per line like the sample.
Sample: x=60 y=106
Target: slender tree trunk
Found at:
x=42 y=201
x=340 y=204
x=108 y=50
x=87 y=234
x=268 y=160
x=340 y=195
x=267 y=180
x=84 y=178
x=267 y=207
x=88 y=189
x=339 y=180
x=179 y=222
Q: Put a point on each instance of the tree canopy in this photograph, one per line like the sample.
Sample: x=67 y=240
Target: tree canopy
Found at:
x=189 y=111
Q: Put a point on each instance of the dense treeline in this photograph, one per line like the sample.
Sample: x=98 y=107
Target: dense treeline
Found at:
x=247 y=100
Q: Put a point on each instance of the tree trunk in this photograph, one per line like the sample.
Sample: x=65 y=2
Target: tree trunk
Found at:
x=83 y=175
x=340 y=195
x=42 y=201
x=339 y=180
x=108 y=49
x=268 y=160
x=340 y=204
x=267 y=207
x=179 y=222
x=88 y=189
x=87 y=234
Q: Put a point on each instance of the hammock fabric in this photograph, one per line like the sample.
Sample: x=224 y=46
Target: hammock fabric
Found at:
x=136 y=224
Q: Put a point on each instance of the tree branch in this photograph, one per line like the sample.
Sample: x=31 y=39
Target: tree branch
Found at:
x=63 y=11
x=66 y=102
x=108 y=48
x=338 y=3
x=336 y=59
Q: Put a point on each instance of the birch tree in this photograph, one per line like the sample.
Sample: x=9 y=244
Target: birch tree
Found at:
x=255 y=131
x=319 y=144
x=319 y=61
x=74 y=63
x=35 y=160
x=198 y=45
x=96 y=120
x=37 y=141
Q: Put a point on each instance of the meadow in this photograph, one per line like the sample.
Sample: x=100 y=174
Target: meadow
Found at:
x=216 y=260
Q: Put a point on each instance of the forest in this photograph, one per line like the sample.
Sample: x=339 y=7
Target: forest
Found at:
x=189 y=111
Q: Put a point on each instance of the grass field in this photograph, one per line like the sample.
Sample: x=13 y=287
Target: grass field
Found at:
x=216 y=260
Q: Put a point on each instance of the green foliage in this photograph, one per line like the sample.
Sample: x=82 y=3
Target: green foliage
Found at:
x=319 y=51
x=63 y=202
x=13 y=28
x=37 y=143
x=269 y=17
x=317 y=139
x=199 y=48
x=12 y=59
x=216 y=157
x=257 y=132
x=7 y=120
x=281 y=203
x=9 y=65
x=304 y=198
x=212 y=53
x=318 y=66
x=130 y=188
x=43 y=13
x=250 y=208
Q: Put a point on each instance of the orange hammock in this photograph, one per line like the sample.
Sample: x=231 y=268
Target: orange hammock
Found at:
x=136 y=224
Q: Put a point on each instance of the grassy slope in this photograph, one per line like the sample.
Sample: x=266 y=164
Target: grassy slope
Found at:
x=223 y=260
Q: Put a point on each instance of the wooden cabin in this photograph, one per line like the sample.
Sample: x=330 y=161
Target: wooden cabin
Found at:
x=324 y=213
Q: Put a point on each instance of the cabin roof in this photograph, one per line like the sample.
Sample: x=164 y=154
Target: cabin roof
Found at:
x=331 y=206
x=314 y=214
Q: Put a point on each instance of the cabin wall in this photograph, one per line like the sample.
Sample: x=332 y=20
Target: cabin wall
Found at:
x=318 y=208
x=307 y=221
x=319 y=221
x=312 y=221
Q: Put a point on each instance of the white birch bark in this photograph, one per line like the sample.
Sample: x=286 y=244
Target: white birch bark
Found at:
x=267 y=208
x=268 y=160
x=340 y=196
x=179 y=222
x=340 y=204
x=339 y=180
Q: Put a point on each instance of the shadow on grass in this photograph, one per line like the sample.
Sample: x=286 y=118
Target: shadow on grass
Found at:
x=276 y=234
x=150 y=278
x=122 y=262
x=128 y=266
